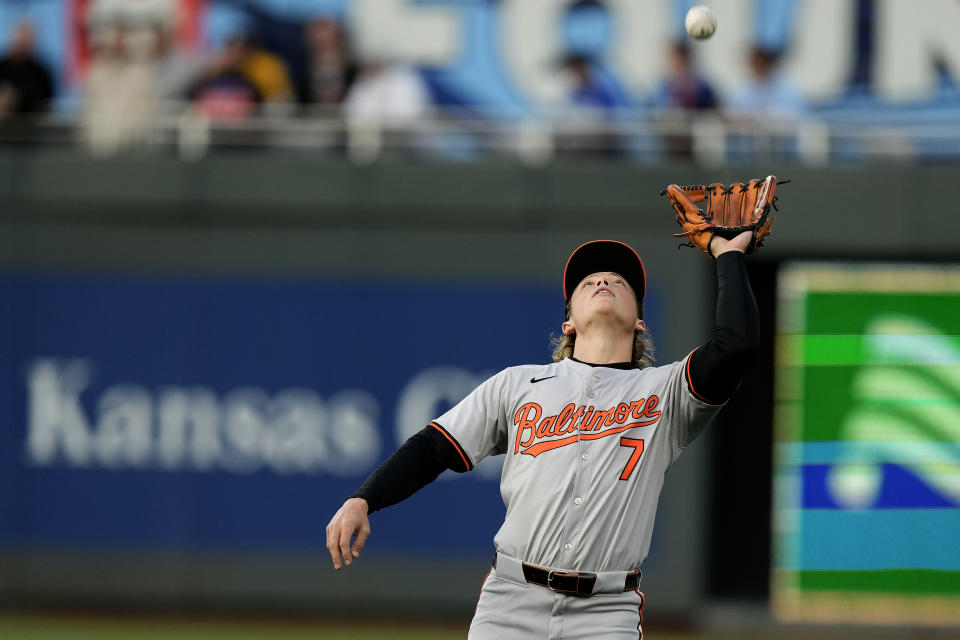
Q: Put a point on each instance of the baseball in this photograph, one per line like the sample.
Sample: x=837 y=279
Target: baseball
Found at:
x=700 y=22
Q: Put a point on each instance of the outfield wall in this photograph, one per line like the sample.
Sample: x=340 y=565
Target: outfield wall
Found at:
x=203 y=359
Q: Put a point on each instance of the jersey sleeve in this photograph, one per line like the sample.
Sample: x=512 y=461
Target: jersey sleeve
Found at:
x=477 y=424
x=690 y=412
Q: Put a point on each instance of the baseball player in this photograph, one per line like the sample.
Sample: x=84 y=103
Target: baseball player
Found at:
x=587 y=440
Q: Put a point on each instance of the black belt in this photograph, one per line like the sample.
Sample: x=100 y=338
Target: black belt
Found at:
x=572 y=583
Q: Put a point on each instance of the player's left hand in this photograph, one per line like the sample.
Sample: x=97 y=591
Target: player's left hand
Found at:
x=349 y=521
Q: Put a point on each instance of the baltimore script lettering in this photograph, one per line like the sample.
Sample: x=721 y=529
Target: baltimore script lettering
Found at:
x=536 y=434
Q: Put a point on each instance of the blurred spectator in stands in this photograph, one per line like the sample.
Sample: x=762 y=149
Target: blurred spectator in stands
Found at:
x=225 y=91
x=684 y=88
x=388 y=93
x=768 y=94
x=26 y=85
x=331 y=70
x=175 y=70
x=764 y=111
x=120 y=93
x=682 y=94
x=589 y=88
x=589 y=127
x=383 y=108
x=266 y=70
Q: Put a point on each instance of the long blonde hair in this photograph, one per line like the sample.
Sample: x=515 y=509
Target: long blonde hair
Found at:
x=642 y=345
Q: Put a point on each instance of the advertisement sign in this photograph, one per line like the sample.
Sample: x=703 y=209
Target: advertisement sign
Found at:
x=159 y=413
x=867 y=494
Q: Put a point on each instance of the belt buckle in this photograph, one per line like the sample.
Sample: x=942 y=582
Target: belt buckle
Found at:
x=563 y=574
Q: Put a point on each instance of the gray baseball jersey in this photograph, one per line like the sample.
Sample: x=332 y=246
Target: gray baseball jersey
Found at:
x=586 y=451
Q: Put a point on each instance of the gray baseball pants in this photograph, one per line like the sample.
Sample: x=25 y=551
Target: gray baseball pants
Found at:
x=512 y=609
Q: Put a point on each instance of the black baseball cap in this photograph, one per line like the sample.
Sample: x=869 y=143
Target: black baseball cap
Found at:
x=605 y=255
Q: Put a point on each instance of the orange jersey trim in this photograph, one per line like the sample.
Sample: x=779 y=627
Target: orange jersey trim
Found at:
x=643 y=601
x=456 y=445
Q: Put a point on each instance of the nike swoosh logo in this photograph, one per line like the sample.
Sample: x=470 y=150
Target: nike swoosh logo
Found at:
x=536 y=380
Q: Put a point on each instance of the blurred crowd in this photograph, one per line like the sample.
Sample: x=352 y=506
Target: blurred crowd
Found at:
x=137 y=70
x=26 y=85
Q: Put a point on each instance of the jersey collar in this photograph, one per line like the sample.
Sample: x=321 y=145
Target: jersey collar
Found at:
x=613 y=365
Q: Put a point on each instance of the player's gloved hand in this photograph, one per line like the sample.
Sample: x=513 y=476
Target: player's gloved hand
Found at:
x=730 y=210
x=719 y=246
x=350 y=520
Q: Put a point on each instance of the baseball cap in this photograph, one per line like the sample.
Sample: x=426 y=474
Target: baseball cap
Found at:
x=604 y=255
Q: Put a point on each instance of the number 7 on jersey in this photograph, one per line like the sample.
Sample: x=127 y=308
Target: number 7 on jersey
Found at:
x=634 y=457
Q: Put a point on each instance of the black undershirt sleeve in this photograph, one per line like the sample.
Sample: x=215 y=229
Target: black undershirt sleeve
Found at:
x=717 y=367
x=417 y=463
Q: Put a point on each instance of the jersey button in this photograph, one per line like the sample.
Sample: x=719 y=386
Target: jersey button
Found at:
x=577 y=500
x=567 y=547
x=590 y=395
x=584 y=456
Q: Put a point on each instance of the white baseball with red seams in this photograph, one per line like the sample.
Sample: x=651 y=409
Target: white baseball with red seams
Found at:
x=586 y=448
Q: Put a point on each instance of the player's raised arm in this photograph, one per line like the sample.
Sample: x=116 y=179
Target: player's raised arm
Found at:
x=717 y=366
x=737 y=219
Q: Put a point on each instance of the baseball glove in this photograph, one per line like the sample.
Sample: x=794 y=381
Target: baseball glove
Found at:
x=743 y=206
